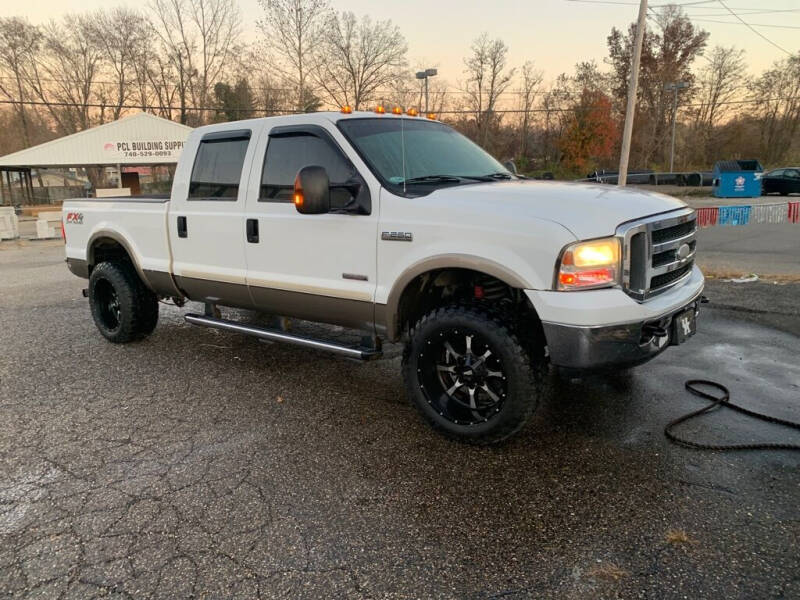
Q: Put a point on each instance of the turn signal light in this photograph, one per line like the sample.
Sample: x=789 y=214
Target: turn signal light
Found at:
x=587 y=278
x=380 y=109
x=297 y=196
x=412 y=112
x=347 y=109
x=397 y=110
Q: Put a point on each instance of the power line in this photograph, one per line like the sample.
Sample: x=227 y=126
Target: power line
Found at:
x=753 y=11
x=754 y=30
x=295 y=111
x=755 y=24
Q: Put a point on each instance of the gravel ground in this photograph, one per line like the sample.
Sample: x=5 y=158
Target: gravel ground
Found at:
x=201 y=464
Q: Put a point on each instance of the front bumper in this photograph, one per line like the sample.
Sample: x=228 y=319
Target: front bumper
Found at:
x=629 y=343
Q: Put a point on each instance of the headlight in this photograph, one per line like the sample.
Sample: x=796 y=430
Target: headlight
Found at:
x=586 y=265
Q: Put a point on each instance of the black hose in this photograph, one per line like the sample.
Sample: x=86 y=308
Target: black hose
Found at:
x=724 y=400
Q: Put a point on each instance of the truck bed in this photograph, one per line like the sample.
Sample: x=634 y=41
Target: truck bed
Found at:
x=138 y=223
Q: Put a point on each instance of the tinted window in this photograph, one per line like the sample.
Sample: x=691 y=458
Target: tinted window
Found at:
x=287 y=154
x=218 y=169
x=402 y=149
x=793 y=173
x=776 y=173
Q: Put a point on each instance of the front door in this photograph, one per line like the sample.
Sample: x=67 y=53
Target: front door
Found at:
x=319 y=267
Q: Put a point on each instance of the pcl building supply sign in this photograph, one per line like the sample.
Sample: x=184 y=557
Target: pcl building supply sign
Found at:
x=162 y=150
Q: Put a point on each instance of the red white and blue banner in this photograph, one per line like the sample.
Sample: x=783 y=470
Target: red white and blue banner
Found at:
x=782 y=212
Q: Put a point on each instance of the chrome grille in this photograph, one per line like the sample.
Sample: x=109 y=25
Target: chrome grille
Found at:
x=658 y=252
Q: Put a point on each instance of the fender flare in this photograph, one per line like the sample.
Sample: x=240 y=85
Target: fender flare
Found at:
x=120 y=239
x=441 y=261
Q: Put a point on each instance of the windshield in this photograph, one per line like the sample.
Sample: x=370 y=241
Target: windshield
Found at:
x=434 y=153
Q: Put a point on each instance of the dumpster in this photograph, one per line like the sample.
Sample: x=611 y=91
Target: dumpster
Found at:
x=737 y=179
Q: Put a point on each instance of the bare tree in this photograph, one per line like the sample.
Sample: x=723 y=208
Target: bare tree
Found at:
x=776 y=95
x=19 y=46
x=65 y=77
x=123 y=35
x=718 y=83
x=199 y=38
x=531 y=80
x=293 y=31
x=487 y=79
x=359 y=58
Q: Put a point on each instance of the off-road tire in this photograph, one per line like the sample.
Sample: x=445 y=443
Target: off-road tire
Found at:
x=124 y=309
x=524 y=376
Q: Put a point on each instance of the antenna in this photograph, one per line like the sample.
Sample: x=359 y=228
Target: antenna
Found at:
x=403 y=149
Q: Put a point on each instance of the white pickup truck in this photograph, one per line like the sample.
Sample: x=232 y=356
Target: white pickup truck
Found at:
x=401 y=227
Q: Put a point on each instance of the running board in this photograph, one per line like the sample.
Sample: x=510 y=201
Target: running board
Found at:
x=274 y=335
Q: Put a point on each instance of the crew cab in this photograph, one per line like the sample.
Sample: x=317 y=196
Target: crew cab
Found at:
x=401 y=227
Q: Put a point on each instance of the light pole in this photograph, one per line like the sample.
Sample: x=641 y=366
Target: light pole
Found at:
x=674 y=87
x=425 y=75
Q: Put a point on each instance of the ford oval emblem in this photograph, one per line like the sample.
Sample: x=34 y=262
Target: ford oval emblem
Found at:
x=684 y=251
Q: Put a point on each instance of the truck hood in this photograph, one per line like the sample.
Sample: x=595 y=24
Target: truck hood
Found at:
x=588 y=211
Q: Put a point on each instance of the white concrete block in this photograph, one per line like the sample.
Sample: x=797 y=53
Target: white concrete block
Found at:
x=9 y=223
x=44 y=230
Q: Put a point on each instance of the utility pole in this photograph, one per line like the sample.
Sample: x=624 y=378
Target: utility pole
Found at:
x=425 y=75
x=632 y=86
x=670 y=87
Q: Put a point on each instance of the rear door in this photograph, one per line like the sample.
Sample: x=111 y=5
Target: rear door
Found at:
x=206 y=221
x=319 y=267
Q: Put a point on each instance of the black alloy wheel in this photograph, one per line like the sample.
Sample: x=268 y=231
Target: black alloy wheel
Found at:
x=107 y=304
x=123 y=307
x=467 y=385
x=469 y=375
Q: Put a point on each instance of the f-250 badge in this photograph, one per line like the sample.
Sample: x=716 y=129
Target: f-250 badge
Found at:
x=397 y=236
x=75 y=218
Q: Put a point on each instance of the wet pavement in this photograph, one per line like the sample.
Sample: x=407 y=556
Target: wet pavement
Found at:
x=765 y=249
x=202 y=464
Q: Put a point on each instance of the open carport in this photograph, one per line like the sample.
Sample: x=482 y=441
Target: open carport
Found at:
x=134 y=141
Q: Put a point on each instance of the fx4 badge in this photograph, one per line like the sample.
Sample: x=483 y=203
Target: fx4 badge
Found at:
x=397 y=236
x=75 y=218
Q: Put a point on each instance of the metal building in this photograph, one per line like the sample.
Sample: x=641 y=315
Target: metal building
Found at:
x=134 y=141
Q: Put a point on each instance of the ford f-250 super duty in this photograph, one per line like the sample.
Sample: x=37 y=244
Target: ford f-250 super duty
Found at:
x=403 y=228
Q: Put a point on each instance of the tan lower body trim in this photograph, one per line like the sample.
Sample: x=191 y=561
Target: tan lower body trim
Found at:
x=357 y=314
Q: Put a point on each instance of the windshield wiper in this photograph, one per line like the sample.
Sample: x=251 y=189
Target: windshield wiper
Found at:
x=434 y=179
x=497 y=176
x=457 y=178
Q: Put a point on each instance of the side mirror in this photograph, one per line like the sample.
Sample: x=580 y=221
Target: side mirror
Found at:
x=312 y=191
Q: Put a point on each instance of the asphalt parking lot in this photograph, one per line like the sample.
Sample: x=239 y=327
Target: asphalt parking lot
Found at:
x=201 y=464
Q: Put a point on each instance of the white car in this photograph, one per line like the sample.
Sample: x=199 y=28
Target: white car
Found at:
x=401 y=227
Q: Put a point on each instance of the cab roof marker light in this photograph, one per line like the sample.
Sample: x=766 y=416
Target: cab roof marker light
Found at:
x=431 y=116
x=380 y=109
x=347 y=109
x=412 y=112
x=397 y=110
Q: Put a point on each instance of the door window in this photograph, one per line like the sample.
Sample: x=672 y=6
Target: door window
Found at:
x=218 y=168
x=287 y=154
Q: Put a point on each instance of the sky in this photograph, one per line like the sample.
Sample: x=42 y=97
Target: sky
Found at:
x=555 y=34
